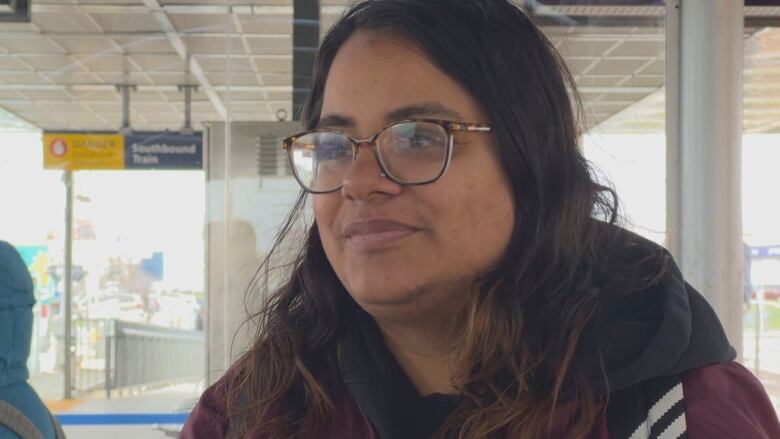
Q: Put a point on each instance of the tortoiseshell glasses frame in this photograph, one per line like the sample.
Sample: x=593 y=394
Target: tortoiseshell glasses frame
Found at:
x=448 y=127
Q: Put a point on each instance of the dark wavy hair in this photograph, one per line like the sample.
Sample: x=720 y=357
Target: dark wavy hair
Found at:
x=519 y=345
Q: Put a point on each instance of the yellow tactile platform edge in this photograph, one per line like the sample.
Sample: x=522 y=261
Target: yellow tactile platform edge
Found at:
x=62 y=405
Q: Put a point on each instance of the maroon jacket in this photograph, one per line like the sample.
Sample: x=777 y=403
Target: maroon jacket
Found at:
x=721 y=401
x=644 y=338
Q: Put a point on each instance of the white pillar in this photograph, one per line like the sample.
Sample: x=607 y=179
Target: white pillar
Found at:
x=704 y=151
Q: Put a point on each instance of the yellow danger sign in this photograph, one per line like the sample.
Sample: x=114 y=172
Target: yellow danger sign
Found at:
x=74 y=151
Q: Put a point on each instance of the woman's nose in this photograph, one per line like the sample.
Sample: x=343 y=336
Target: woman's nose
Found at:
x=365 y=177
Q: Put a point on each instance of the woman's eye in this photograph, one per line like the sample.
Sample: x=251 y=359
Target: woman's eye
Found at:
x=331 y=153
x=415 y=142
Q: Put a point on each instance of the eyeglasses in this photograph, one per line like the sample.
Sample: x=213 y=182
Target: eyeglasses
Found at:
x=409 y=152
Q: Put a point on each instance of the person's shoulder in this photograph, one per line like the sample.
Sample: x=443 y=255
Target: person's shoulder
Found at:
x=208 y=419
x=23 y=398
x=727 y=401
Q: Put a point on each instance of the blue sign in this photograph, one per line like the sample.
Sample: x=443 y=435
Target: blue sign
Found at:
x=163 y=150
x=766 y=251
x=153 y=266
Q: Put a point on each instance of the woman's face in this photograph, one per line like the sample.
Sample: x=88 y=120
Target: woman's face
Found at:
x=409 y=250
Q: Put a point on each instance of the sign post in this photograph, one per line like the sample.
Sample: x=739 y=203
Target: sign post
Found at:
x=68 y=284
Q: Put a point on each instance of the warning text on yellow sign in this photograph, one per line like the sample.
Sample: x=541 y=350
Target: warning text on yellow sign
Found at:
x=71 y=151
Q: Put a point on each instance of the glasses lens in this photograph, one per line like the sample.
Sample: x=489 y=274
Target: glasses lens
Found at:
x=320 y=160
x=414 y=152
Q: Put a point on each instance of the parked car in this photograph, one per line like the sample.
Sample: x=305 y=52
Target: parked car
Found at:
x=122 y=306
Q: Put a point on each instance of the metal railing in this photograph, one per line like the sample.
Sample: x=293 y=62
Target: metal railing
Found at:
x=760 y=333
x=89 y=355
x=115 y=354
x=145 y=355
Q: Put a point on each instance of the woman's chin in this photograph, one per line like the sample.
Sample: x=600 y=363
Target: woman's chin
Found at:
x=376 y=292
x=382 y=296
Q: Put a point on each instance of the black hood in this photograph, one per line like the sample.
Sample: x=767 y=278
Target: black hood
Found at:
x=636 y=334
x=658 y=331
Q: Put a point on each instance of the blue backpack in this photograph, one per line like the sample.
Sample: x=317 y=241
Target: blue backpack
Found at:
x=17 y=422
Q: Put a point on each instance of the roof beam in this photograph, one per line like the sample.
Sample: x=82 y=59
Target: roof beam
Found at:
x=267 y=88
x=177 y=9
x=636 y=110
x=764 y=128
x=141 y=87
x=181 y=48
x=145 y=34
x=571 y=11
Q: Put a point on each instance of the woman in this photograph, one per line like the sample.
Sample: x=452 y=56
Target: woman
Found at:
x=464 y=276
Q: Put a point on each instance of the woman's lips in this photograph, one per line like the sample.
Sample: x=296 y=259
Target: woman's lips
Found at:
x=373 y=235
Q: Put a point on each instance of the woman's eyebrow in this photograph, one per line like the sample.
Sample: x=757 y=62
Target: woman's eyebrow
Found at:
x=336 y=121
x=414 y=111
x=422 y=110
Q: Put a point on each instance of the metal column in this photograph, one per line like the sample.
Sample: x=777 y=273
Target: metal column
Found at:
x=187 y=126
x=125 y=89
x=704 y=151
x=306 y=40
